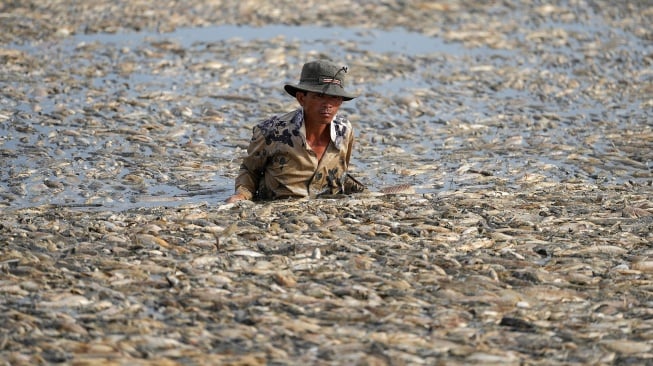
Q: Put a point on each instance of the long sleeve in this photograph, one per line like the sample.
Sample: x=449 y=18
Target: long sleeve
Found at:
x=350 y=147
x=253 y=165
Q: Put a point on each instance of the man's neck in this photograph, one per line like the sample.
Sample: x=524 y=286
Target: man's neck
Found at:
x=316 y=131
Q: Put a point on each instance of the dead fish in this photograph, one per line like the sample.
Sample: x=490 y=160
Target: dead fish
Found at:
x=398 y=189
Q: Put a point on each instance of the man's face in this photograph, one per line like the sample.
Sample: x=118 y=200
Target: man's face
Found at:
x=319 y=108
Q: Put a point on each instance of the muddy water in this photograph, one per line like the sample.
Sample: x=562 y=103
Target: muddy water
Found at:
x=140 y=119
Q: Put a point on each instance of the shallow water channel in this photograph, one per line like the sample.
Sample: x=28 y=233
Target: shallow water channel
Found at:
x=128 y=120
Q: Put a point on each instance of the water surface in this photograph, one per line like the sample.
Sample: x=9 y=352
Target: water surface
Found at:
x=118 y=112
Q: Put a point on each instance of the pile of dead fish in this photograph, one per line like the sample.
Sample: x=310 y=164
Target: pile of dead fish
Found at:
x=560 y=275
x=526 y=141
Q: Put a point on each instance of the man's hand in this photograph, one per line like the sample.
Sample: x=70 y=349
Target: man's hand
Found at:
x=236 y=197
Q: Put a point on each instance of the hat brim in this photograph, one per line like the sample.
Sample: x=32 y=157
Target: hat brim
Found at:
x=330 y=90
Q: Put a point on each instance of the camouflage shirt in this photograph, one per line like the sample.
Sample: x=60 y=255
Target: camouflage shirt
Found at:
x=281 y=164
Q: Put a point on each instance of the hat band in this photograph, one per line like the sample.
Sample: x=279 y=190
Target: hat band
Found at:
x=331 y=81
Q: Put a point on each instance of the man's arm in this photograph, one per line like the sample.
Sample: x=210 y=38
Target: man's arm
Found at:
x=253 y=164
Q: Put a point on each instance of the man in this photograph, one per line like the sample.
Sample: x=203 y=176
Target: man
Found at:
x=306 y=152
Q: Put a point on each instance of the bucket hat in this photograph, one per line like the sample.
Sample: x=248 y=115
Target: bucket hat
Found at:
x=321 y=77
